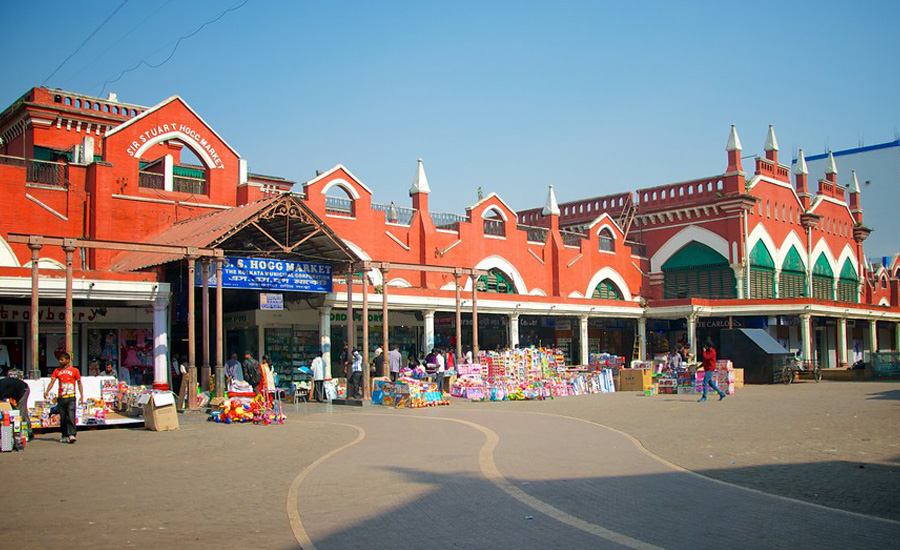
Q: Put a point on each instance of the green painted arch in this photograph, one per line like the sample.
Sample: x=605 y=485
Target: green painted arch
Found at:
x=792 y=261
x=760 y=257
x=847 y=271
x=822 y=268
x=496 y=281
x=694 y=254
x=607 y=290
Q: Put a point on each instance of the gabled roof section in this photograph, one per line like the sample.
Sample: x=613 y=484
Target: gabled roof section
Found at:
x=603 y=219
x=491 y=196
x=160 y=106
x=277 y=227
x=331 y=171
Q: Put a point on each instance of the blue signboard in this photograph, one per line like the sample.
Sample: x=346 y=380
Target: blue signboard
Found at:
x=272 y=274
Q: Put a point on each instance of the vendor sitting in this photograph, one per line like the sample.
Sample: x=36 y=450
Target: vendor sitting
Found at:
x=108 y=370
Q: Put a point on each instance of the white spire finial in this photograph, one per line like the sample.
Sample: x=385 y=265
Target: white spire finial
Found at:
x=420 y=181
x=551 y=207
x=831 y=167
x=771 y=142
x=800 y=168
x=734 y=142
x=854 y=183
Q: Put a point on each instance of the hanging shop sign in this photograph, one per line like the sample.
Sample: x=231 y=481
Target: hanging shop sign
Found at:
x=271 y=300
x=272 y=274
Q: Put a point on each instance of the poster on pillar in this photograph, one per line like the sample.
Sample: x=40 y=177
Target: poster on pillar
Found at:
x=271 y=274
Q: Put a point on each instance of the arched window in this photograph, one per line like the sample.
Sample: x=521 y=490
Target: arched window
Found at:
x=762 y=272
x=792 y=282
x=607 y=290
x=338 y=201
x=848 y=284
x=495 y=281
x=494 y=224
x=697 y=271
x=823 y=279
x=607 y=242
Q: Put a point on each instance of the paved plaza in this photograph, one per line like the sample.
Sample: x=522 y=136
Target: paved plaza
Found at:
x=801 y=466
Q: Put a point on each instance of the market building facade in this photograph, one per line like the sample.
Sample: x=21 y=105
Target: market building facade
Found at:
x=630 y=274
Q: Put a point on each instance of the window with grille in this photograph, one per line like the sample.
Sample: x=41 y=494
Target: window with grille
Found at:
x=846 y=290
x=792 y=284
x=823 y=287
x=762 y=282
x=495 y=281
x=607 y=290
x=697 y=271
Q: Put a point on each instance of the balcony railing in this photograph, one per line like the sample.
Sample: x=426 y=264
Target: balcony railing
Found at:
x=447 y=221
x=637 y=249
x=151 y=180
x=534 y=234
x=395 y=214
x=339 y=205
x=571 y=239
x=496 y=228
x=185 y=184
x=53 y=174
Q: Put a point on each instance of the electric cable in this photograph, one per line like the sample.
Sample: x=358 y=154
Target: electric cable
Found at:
x=174 y=49
x=78 y=49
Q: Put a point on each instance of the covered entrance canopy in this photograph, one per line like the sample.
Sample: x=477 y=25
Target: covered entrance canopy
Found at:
x=279 y=227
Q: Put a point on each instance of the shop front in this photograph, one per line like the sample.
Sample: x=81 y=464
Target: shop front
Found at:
x=611 y=336
x=493 y=331
x=562 y=333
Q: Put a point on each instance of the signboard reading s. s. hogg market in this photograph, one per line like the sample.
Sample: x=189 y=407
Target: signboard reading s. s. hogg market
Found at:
x=272 y=274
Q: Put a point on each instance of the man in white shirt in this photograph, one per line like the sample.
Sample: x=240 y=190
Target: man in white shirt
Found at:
x=394 y=360
x=318 y=372
x=441 y=368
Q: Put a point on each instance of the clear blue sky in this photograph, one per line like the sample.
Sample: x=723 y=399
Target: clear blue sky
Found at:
x=593 y=97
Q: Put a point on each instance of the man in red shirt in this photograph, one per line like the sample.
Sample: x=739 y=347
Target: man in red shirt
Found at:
x=709 y=369
x=68 y=376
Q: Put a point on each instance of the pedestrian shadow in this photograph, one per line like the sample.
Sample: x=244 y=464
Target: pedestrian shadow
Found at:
x=892 y=395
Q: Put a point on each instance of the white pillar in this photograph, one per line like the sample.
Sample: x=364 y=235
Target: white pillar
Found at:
x=873 y=336
x=692 y=334
x=325 y=337
x=161 y=342
x=740 y=280
x=806 y=335
x=896 y=336
x=583 y=334
x=842 y=342
x=429 y=330
x=168 y=172
x=642 y=339
x=513 y=330
x=776 y=292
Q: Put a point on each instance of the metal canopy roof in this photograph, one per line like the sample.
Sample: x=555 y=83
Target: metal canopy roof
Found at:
x=277 y=227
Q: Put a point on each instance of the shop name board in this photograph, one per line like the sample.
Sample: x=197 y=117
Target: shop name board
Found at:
x=162 y=129
x=357 y=316
x=270 y=274
x=50 y=314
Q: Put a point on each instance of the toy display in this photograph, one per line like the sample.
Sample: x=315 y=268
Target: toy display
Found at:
x=407 y=392
x=257 y=410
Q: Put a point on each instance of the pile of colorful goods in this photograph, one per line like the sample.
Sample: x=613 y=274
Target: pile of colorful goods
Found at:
x=409 y=393
x=240 y=410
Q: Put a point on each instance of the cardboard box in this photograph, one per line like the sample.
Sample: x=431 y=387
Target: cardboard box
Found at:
x=634 y=379
x=160 y=414
x=738 y=378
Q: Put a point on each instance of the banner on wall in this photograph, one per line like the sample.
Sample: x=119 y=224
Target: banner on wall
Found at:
x=272 y=274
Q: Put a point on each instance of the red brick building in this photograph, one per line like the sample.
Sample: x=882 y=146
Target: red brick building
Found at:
x=643 y=269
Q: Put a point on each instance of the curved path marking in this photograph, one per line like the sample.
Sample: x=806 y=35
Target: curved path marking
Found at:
x=488 y=469
x=294 y=491
x=640 y=446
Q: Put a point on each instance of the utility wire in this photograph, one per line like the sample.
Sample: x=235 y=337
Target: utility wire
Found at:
x=116 y=43
x=78 y=49
x=171 y=55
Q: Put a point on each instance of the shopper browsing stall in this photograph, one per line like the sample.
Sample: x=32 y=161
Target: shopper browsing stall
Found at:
x=709 y=369
x=252 y=372
x=394 y=360
x=233 y=370
x=68 y=377
x=354 y=382
x=13 y=388
x=318 y=372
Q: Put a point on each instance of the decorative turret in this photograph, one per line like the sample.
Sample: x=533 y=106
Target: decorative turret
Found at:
x=855 y=207
x=551 y=209
x=771 y=145
x=420 y=189
x=800 y=174
x=734 y=151
x=831 y=169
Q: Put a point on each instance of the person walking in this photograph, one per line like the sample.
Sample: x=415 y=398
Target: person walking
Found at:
x=68 y=377
x=394 y=360
x=440 y=368
x=252 y=372
x=354 y=383
x=318 y=372
x=13 y=388
x=709 y=369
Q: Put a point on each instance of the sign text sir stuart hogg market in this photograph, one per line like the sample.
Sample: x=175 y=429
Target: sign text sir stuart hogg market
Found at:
x=272 y=274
